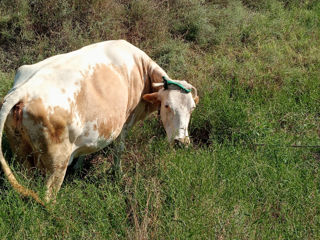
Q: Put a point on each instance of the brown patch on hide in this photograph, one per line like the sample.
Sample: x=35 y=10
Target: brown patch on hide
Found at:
x=59 y=120
x=55 y=122
x=103 y=98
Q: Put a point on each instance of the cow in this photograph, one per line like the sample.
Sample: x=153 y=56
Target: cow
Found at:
x=77 y=103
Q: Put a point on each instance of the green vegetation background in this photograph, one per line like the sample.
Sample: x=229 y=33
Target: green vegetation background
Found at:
x=256 y=65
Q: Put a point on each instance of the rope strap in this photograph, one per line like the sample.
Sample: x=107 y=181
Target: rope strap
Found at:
x=167 y=82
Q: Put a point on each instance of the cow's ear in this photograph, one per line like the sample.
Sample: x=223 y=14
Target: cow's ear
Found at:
x=152 y=98
x=196 y=99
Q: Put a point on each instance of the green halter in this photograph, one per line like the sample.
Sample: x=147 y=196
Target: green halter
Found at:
x=167 y=82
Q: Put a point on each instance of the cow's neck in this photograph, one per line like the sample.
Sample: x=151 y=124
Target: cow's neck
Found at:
x=155 y=73
x=149 y=72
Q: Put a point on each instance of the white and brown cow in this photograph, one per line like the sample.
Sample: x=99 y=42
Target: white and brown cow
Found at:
x=79 y=102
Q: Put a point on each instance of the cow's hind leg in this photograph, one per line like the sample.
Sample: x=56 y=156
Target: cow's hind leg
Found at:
x=55 y=176
x=18 y=139
x=54 y=162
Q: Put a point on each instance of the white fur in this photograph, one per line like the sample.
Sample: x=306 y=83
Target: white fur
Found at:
x=176 y=116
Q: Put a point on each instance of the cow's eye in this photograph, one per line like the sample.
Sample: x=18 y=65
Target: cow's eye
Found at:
x=166 y=106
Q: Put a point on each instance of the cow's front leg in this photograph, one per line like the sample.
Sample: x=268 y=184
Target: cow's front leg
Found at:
x=79 y=164
x=118 y=150
x=117 y=168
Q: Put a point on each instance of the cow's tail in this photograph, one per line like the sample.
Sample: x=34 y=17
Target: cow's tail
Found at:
x=9 y=102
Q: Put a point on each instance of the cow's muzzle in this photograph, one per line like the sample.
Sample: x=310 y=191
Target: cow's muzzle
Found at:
x=182 y=142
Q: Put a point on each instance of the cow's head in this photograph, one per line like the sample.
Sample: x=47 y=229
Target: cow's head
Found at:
x=176 y=99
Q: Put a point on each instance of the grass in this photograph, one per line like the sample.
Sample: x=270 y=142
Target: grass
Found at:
x=256 y=67
x=219 y=192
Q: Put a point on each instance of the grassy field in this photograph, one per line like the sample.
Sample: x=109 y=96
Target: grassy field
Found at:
x=256 y=65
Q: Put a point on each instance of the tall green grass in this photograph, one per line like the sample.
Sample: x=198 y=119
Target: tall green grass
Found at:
x=256 y=65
